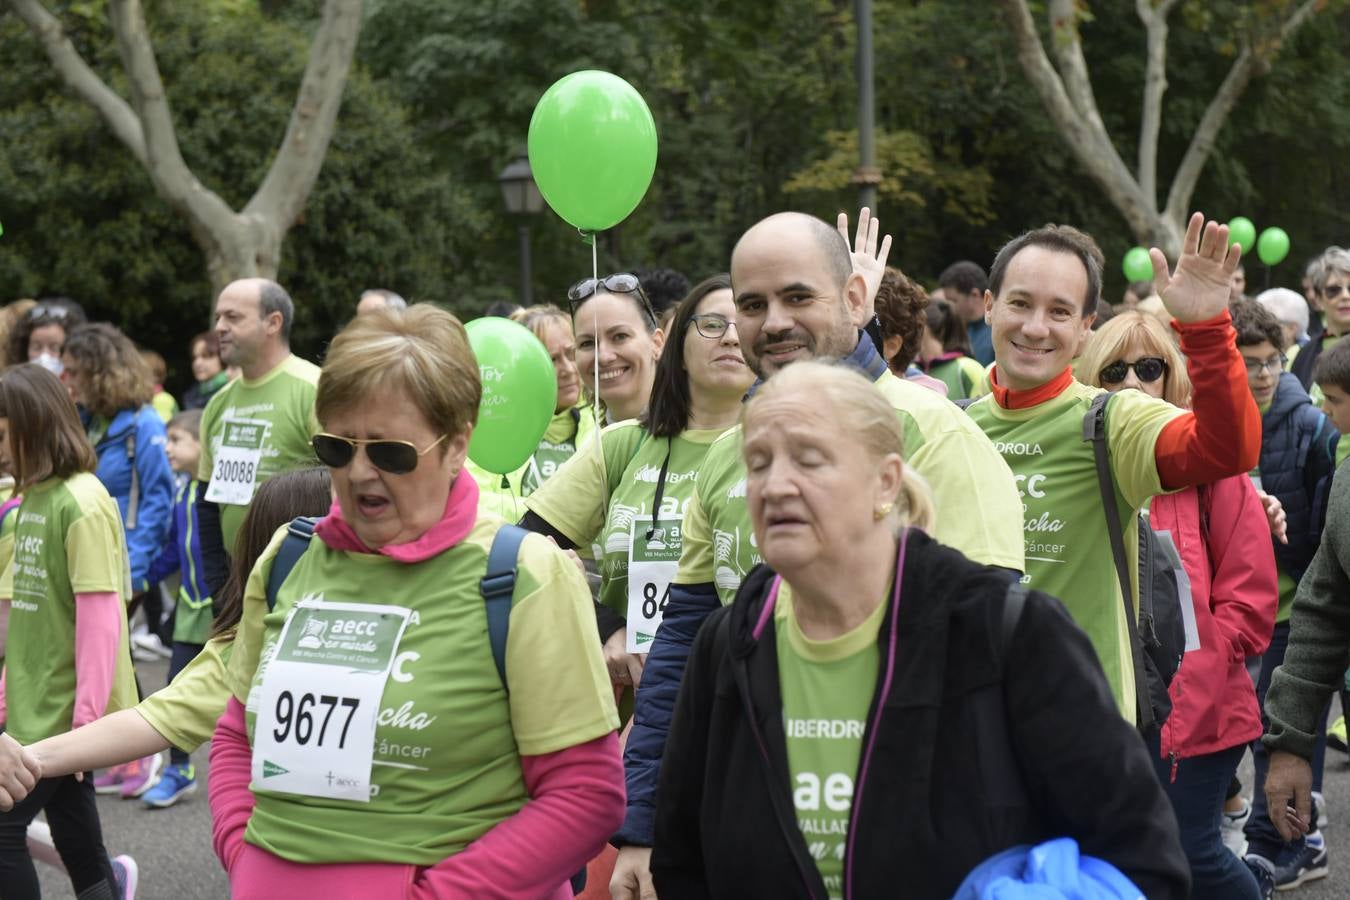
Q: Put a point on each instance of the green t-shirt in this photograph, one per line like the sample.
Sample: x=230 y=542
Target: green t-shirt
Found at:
x=567 y=431
x=963 y=376
x=1068 y=548
x=827 y=689
x=977 y=506
x=449 y=738
x=284 y=399
x=68 y=540
x=186 y=710
x=573 y=501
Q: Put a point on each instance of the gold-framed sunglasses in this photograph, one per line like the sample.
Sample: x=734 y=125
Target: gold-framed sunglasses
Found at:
x=394 y=457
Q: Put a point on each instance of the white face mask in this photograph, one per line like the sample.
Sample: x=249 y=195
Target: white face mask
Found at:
x=51 y=364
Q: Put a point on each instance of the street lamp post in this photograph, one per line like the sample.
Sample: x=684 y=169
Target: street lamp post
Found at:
x=868 y=175
x=522 y=200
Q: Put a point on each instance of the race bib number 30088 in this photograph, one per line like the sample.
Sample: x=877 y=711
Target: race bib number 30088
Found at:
x=235 y=474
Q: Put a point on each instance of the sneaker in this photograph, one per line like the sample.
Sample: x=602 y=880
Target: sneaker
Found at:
x=1320 y=804
x=109 y=781
x=1263 y=870
x=145 y=772
x=126 y=874
x=1336 y=737
x=1308 y=864
x=178 y=780
x=152 y=644
x=1232 y=829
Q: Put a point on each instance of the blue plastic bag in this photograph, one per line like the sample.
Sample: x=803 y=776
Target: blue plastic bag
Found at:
x=1051 y=871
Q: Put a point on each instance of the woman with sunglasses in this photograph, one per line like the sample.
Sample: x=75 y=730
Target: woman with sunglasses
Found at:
x=387 y=756
x=569 y=428
x=1222 y=534
x=616 y=331
x=630 y=496
x=39 y=336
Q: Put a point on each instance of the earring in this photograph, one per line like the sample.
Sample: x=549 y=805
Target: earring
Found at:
x=882 y=511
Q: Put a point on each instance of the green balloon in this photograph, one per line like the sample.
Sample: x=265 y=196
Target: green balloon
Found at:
x=592 y=148
x=1273 y=246
x=1137 y=265
x=520 y=391
x=1242 y=232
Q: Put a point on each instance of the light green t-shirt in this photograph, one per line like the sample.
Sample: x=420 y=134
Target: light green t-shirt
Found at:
x=827 y=689
x=573 y=501
x=449 y=737
x=284 y=399
x=186 y=710
x=977 y=507
x=963 y=376
x=1068 y=547
x=567 y=431
x=68 y=540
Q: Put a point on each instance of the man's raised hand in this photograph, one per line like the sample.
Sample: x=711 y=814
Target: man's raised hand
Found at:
x=1198 y=290
x=869 y=259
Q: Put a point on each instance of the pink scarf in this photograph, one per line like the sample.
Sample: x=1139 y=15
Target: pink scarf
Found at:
x=461 y=512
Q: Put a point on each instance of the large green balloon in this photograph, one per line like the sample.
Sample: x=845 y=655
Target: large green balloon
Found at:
x=1272 y=246
x=520 y=391
x=1137 y=265
x=592 y=148
x=1242 y=232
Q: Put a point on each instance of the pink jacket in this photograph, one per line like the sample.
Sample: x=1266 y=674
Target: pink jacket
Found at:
x=1223 y=536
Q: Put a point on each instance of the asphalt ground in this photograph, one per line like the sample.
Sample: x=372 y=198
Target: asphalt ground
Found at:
x=172 y=847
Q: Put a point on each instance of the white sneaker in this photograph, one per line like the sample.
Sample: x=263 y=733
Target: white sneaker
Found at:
x=1232 y=826
x=151 y=644
x=1322 y=819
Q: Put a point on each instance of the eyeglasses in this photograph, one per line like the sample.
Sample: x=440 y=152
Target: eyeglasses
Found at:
x=618 y=283
x=48 y=311
x=394 y=457
x=1147 y=369
x=1274 y=366
x=1332 y=291
x=711 y=325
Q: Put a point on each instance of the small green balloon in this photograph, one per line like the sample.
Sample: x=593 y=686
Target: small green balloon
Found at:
x=1273 y=246
x=1242 y=232
x=1137 y=265
x=592 y=146
x=520 y=391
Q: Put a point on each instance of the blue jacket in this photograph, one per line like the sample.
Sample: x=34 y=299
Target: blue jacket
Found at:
x=183 y=549
x=1298 y=457
x=689 y=605
x=131 y=452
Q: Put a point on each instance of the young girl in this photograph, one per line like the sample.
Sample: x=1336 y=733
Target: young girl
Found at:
x=62 y=623
x=945 y=353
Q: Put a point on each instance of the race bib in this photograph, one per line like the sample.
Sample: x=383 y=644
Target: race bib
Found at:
x=652 y=564
x=236 y=471
x=320 y=696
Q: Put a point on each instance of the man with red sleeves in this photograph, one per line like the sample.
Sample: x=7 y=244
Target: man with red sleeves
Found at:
x=1042 y=299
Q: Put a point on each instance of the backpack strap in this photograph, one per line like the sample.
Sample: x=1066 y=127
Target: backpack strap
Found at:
x=1094 y=430
x=1013 y=603
x=298 y=535
x=497 y=587
x=134 y=501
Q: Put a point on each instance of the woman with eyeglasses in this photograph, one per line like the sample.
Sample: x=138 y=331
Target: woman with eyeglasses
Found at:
x=618 y=343
x=630 y=496
x=387 y=755
x=39 y=336
x=569 y=428
x=1222 y=535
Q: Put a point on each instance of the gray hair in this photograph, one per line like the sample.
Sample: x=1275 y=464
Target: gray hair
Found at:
x=272 y=298
x=391 y=300
x=1287 y=306
x=1333 y=261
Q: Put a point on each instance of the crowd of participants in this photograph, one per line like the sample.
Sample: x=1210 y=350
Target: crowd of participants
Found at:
x=819 y=584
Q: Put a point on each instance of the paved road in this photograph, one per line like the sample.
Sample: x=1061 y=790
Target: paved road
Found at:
x=173 y=846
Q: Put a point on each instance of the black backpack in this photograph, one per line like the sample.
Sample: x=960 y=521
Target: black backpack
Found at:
x=1158 y=636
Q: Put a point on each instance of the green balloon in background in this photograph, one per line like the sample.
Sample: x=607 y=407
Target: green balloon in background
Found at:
x=1273 y=246
x=1242 y=232
x=592 y=148
x=520 y=391
x=1137 y=265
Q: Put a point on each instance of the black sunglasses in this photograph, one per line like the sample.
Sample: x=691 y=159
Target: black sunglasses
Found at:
x=394 y=457
x=1148 y=369
x=48 y=311
x=618 y=283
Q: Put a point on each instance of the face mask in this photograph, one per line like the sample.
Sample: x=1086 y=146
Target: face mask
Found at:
x=51 y=364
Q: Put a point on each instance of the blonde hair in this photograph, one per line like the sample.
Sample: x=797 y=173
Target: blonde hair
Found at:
x=1145 y=333
x=865 y=416
x=539 y=317
x=423 y=351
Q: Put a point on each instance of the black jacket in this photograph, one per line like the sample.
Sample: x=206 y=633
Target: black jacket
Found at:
x=972 y=753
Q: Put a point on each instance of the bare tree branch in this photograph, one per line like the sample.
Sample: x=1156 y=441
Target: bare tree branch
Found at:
x=1249 y=63
x=75 y=72
x=282 y=195
x=1154 y=16
x=1068 y=46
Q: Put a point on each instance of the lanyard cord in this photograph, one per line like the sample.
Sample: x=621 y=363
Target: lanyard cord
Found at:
x=660 y=491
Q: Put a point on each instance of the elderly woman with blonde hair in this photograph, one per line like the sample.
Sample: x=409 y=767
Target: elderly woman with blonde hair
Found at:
x=876 y=710
x=390 y=753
